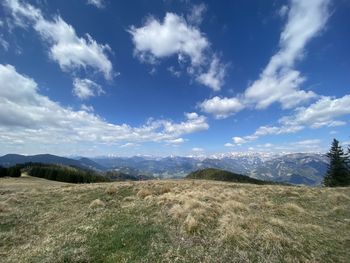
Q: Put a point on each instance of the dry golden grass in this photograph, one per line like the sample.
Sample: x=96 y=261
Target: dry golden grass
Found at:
x=97 y=203
x=111 y=190
x=143 y=193
x=171 y=221
x=4 y=207
x=293 y=208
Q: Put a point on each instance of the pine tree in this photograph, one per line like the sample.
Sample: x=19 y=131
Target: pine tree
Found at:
x=338 y=173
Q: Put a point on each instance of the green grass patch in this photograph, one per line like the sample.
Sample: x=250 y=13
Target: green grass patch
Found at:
x=126 y=236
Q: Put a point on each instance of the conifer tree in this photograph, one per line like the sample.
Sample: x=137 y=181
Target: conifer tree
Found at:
x=338 y=173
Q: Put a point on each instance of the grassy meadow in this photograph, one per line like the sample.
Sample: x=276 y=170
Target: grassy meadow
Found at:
x=171 y=221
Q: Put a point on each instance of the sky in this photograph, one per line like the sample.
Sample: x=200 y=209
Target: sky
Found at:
x=172 y=77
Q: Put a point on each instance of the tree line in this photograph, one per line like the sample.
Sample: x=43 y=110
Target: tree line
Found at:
x=338 y=173
x=14 y=171
x=60 y=173
x=65 y=174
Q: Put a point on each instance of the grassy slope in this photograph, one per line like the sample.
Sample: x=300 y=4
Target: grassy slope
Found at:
x=222 y=175
x=171 y=221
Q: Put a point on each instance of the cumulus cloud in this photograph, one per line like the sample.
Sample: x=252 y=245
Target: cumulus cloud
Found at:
x=66 y=48
x=97 y=3
x=214 y=78
x=221 y=107
x=326 y=112
x=323 y=112
x=193 y=124
x=279 y=81
x=25 y=113
x=191 y=115
x=86 y=88
x=238 y=140
x=283 y=88
x=175 y=37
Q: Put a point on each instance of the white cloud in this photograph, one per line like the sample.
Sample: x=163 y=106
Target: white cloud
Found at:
x=308 y=142
x=273 y=130
x=283 y=88
x=321 y=113
x=214 y=78
x=346 y=145
x=96 y=3
x=23 y=13
x=312 y=145
x=176 y=141
x=66 y=48
x=221 y=107
x=283 y=11
x=85 y=88
x=129 y=145
x=24 y=113
x=279 y=82
x=196 y=15
x=87 y=108
x=173 y=71
x=238 y=140
x=3 y=43
x=193 y=123
x=197 y=149
x=171 y=37
x=175 y=37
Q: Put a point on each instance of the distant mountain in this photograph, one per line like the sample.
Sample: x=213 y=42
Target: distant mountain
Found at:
x=300 y=168
x=159 y=167
x=12 y=159
x=87 y=163
x=222 y=175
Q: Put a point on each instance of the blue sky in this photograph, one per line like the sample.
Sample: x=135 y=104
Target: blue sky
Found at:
x=100 y=77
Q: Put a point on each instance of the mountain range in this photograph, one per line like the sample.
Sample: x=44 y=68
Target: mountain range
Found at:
x=13 y=159
x=296 y=168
